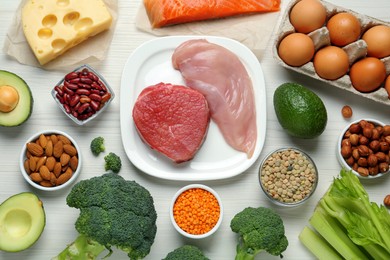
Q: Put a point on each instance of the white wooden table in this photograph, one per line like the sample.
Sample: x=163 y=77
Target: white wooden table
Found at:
x=237 y=192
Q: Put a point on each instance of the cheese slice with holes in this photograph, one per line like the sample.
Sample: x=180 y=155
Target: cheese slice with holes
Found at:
x=52 y=27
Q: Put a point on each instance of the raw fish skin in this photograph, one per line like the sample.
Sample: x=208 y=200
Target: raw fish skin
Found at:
x=169 y=12
x=222 y=78
x=172 y=120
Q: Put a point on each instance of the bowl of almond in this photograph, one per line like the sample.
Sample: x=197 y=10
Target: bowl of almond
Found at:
x=364 y=147
x=50 y=160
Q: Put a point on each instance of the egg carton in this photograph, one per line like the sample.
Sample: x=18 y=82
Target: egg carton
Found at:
x=320 y=37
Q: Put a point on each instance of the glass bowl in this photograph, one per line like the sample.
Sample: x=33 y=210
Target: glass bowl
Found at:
x=212 y=212
x=288 y=176
x=360 y=162
x=83 y=94
x=39 y=166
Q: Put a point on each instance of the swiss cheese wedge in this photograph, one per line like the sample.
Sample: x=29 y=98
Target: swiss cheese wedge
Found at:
x=52 y=27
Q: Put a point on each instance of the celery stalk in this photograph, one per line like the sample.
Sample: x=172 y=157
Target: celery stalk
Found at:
x=317 y=245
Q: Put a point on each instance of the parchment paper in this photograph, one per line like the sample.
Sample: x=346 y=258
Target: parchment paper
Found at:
x=92 y=50
x=254 y=31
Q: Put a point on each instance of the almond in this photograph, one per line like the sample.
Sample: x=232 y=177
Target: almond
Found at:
x=70 y=149
x=64 y=177
x=64 y=159
x=26 y=165
x=50 y=162
x=33 y=163
x=58 y=149
x=45 y=183
x=36 y=177
x=35 y=149
x=64 y=139
x=43 y=141
x=49 y=148
x=74 y=162
x=54 y=139
x=41 y=161
x=53 y=179
x=57 y=169
x=44 y=172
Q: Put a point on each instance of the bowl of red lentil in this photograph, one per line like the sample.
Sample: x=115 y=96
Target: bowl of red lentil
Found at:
x=196 y=211
x=288 y=176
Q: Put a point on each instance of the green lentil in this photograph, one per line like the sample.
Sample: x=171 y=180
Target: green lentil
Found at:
x=288 y=176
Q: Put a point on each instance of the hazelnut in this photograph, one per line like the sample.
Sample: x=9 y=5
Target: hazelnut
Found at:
x=381 y=156
x=363 y=140
x=380 y=129
x=362 y=123
x=387 y=139
x=375 y=134
x=345 y=142
x=367 y=132
x=384 y=146
x=363 y=150
x=373 y=170
x=346 y=111
x=362 y=162
x=355 y=128
x=386 y=201
x=354 y=139
x=363 y=171
x=374 y=145
x=350 y=161
x=372 y=160
x=346 y=151
x=383 y=167
x=386 y=130
x=355 y=154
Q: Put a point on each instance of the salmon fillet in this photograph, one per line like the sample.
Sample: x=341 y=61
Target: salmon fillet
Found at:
x=168 y=12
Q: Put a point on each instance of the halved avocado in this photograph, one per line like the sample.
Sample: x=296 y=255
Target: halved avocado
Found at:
x=16 y=100
x=22 y=220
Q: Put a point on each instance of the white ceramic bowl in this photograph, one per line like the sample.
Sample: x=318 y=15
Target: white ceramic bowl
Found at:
x=276 y=179
x=97 y=113
x=23 y=157
x=181 y=231
x=340 y=158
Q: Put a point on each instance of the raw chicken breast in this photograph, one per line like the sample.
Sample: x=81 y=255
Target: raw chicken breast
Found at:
x=168 y=12
x=219 y=74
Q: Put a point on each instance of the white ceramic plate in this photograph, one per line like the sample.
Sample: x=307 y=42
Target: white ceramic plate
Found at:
x=150 y=64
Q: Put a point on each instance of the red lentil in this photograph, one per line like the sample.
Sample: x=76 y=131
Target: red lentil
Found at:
x=196 y=211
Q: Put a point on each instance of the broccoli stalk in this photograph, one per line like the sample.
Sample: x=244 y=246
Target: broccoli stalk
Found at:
x=260 y=229
x=97 y=145
x=186 y=252
x=113 y=162
x=366 y=224
x=114 y=212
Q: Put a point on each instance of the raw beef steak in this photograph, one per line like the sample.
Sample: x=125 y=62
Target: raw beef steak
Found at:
x=172 y=120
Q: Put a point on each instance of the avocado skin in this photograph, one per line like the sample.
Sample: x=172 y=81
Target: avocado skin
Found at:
x=22 y=202
x=4 y=75
x=300 y=111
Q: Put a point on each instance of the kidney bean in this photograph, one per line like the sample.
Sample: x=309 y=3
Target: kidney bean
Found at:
x=59 y=90
x=74 y=81
x=71 y=75
x=95 y=105
x=61 y=99
x=74 y=100
x=83 y=91
x=85 y=100
x=104 y=88
x=95 y=97
x=93 y=76
x=67 y=108
x=70 y=85
x=68 y=90
x=82 y=108
x=105 y=97
x=85 y=80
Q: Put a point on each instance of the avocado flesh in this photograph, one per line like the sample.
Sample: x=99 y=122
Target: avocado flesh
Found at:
x=22 y=220
x=23 y=109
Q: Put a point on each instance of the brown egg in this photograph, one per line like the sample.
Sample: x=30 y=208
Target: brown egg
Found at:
x=296 y=49
x=387 y=85
x=344 y=28
x=308 y=15
x=331 y=62
x=378 y=41
x=367 y=74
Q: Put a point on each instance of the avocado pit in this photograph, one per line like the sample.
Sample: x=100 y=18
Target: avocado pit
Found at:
x=9 y=98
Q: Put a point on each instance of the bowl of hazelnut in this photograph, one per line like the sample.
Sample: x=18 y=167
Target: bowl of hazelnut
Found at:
x=363 y=147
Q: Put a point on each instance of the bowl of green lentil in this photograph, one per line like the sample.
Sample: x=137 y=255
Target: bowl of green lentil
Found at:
x=288 y=176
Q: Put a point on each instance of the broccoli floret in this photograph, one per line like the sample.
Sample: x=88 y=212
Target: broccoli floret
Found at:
x=97 y=145
x=260 y=229
x=187 y=252
x=113 y=212
x=113 y=162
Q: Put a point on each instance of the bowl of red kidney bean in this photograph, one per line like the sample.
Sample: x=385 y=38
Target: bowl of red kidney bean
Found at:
x=83 y=94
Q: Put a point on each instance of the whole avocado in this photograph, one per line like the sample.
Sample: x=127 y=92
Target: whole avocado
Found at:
x=300 y=111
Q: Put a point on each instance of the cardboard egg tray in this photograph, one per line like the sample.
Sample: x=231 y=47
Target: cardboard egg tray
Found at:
x=320 y=37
